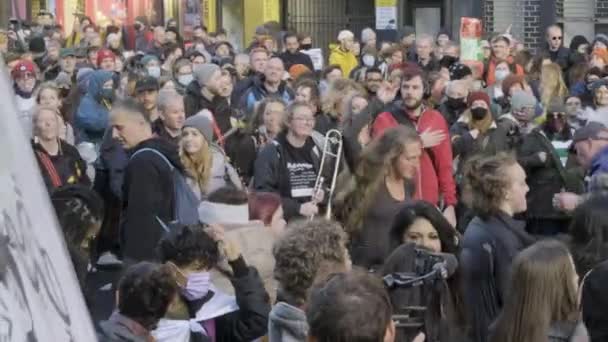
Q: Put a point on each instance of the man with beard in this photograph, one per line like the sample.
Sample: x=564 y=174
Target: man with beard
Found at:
x=435 y=179
x=258 y=58
x=292 y=54
x=146 y=92
x=269 y=84
x=456 y=102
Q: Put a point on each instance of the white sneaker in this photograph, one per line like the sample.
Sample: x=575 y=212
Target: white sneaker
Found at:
x=108 y=259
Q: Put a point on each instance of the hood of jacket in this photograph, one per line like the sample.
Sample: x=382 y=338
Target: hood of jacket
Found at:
x=96 y=82
x=287 y=323
x=116 y=330
x=165 y=147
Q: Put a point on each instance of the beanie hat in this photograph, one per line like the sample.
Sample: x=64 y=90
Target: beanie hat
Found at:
x=345 y=34
x=602 y=38
x=147 y=59
x=522 y=99
x=510 y=81
x=37 y=45
x=478 y=95
x=298 y=70
x=204 y=72
x=103 y=54
x=203 y=123
x=367 y=34
x=578 y=41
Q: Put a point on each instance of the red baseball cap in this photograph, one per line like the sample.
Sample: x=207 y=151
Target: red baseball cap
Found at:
x=103 y=54
x=22 y=67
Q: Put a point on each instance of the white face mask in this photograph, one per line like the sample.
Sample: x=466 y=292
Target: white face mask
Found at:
x=154 y=71
x=369 y=60
x=185 y=79
x=501 y=74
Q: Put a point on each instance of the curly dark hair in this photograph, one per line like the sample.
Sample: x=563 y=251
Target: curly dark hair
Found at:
x=421 y=209
x=300 y=253
x=485 y=185
x=145 y=292
x=187 y=245
x=589 y=233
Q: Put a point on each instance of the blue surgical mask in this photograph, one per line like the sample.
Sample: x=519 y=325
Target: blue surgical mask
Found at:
x=185 y=80
x=154 y=71
x=197 y=285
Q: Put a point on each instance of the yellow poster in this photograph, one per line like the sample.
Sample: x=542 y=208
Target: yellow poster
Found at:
x=386 y=3
x=209 y=14
x=271 y=10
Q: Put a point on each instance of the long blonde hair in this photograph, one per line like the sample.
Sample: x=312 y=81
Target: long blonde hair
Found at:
x=553 y=84
x=199 y=165
x=338 y=89
x=542 y=291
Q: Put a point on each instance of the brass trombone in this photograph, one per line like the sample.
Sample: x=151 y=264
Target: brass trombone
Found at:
x=333 y=137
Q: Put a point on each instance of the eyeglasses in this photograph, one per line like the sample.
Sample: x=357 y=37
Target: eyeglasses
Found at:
x=307 y=120
x=556 y=38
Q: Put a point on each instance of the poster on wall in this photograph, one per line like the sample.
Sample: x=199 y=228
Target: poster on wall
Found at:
x=40 y=299
x=470 y=50
x=386 y=14
x=191 y=17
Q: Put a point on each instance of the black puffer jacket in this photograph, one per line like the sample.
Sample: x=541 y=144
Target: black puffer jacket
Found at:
x=148 y=193
x=545 y=178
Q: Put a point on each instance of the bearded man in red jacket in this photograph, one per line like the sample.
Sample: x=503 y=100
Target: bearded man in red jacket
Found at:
x=435 y=180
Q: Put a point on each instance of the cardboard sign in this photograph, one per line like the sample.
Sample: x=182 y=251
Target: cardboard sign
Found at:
x=40 y=299
x=316 y=55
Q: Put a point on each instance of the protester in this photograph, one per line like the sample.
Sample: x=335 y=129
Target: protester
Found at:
x=49 y=96
x=172 y=116
x=587 y=229
x=144 y=295
x=593 y=302
x=292 y=55
x=342 y=55
x=555 y=46
x=289 y=165
x=306 y=253
x=59 y=162
x=267 y=85
x=383 y=182
x=204 y=161
x=25 y=78
x=542 y=301
x=500 y=52
x=435 y=175
x=146 y=93
x=497 y=186
x=350 y=306
x=92 y=116
x=456 y=101
x=191 y=252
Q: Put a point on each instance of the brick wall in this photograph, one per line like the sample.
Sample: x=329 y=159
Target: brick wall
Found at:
x=531 y=18
x=601 y=8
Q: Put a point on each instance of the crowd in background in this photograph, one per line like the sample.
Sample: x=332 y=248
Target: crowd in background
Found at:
x=204 y=172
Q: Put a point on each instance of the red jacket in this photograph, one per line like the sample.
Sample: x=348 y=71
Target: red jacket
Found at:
x=435 y=176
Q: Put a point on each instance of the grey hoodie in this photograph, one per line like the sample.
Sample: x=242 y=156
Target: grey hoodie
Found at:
x=287 y=324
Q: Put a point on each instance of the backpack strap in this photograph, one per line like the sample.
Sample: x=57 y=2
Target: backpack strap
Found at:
x=147 y=149
x=50 y=169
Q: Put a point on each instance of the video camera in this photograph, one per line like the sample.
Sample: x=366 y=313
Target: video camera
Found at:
x=414 y=293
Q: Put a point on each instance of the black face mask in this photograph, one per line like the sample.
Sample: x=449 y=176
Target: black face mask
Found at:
x=455 y=104
x=478 y=113
x=306 y=46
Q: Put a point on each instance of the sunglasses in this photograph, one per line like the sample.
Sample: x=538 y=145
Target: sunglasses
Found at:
x=556 y=38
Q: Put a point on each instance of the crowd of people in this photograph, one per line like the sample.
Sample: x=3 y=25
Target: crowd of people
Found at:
x=469 y=203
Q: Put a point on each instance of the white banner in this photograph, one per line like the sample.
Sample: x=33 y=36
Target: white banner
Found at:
x=40 y=299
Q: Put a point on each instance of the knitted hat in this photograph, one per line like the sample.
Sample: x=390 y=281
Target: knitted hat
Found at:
x=522 y=99
x=261 y=31
x=459 y=71
x=600 y=37
x=66 y=52
x=204 y=72
x=345 y=34
x=103 y=54
x=22 y=67
x=146 y=84
x=298 y=70
x=37 y=45
x=147 y=59
x=598 y=84
x=510 y=81
x=203 y=123
x=479 y=95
